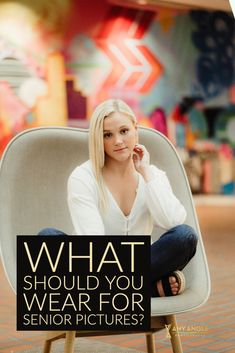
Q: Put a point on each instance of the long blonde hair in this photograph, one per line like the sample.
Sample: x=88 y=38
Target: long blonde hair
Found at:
x=96 y=140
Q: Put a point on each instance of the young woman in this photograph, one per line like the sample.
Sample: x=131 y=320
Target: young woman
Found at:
x=118 y=192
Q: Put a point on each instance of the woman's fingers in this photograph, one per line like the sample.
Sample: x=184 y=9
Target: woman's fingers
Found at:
x=141 y=158
x=140 y=150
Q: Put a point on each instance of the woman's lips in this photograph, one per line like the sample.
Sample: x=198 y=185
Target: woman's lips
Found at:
x=120 y=149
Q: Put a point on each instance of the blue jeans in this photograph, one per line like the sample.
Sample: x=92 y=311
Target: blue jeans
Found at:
x=171 y=252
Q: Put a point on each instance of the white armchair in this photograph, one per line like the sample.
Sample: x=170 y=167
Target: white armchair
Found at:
x=33 y=183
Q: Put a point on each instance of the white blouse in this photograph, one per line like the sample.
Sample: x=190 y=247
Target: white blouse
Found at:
x=155 y=205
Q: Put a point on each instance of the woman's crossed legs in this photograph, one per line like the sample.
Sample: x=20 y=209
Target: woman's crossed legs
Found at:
x=171 y=252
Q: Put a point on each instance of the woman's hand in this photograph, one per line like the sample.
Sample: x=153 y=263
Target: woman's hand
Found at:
x=141 y=160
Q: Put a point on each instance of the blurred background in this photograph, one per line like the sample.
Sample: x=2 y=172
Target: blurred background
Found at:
x=173 y=62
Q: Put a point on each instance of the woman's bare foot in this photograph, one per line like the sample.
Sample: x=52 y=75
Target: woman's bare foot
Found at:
x=172 y=285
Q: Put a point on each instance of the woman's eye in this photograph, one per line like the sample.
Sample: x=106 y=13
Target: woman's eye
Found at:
x=107 y=135
x=124 y=131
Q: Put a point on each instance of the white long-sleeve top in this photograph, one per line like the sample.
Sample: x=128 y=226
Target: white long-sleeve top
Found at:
x=155 y=205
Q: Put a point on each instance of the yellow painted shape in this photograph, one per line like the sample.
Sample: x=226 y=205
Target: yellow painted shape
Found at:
x=52 y=109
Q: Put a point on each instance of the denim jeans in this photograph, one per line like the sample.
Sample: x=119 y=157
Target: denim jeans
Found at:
x=171 y=252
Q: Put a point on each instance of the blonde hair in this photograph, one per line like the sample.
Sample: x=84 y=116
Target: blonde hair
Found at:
x=96 y=139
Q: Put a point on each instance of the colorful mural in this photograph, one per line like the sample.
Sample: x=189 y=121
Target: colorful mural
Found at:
x=32 y=86
x=69 y=60
x=214 y=37
x=225 y=126
x=133 y=65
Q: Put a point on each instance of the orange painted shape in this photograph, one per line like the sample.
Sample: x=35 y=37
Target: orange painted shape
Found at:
x=156 y=72
x=133 y=79
x=145 y=122
x=117 y=68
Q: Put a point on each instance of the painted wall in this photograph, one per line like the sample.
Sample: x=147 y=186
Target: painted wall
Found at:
x=59 y=59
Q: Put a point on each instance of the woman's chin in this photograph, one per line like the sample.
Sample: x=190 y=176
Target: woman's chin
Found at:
x=120 y=158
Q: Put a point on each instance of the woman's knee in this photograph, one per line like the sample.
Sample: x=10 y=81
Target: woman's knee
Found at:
x=186 y=240
x=187 y=237
x=186 y=231
x=50 y=232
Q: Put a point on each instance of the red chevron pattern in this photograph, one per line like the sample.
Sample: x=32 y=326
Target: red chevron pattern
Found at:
x=133 y=65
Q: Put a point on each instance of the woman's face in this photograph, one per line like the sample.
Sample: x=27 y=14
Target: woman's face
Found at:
x=120 y=137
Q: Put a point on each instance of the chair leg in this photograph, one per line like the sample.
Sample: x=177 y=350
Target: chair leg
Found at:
x=47 y=346
x=47 y=343
x=150 y=342
x=175 y=338
x=69 y=341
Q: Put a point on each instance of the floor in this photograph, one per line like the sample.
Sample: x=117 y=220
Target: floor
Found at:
x=215 y=320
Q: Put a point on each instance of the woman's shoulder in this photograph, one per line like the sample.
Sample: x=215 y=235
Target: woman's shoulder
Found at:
x=82 y=182
x=83 y=171
x=156 y=171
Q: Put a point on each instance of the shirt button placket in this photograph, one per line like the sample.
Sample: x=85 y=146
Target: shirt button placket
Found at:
x=127 y=226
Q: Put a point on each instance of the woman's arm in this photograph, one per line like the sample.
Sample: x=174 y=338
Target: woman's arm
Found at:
x=165 y=208
x=83 y=206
